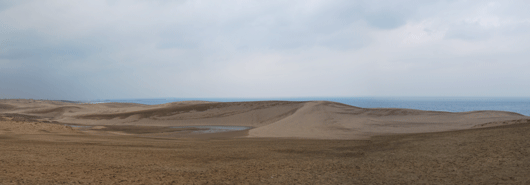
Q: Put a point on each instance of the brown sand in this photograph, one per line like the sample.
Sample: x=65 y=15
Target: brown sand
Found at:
x=494 y=155
x=135 y=144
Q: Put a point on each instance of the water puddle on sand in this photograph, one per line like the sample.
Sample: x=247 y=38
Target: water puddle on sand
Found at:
x=179 y=130
x=214 y=129
x=78 y=126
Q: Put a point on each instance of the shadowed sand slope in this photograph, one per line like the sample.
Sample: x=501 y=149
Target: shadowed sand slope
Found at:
x=314 y=119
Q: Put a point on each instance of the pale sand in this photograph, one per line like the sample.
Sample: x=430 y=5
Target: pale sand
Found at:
x=278 y=119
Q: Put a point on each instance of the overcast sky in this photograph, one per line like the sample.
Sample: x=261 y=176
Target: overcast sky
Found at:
x=80 y=50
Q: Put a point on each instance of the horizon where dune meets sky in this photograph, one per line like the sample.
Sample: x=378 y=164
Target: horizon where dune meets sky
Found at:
x=147 y=49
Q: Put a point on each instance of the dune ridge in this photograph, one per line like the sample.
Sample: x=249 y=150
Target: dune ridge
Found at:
x=277 y=119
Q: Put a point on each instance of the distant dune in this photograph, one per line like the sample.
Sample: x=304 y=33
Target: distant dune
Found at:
x=281 y=119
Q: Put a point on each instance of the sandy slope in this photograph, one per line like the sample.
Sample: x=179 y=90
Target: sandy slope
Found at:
x=329 y=120
x=315 y=119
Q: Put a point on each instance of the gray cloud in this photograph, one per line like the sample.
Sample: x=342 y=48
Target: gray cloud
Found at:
x=135 y=49
x=469 y=32
x=386 y=20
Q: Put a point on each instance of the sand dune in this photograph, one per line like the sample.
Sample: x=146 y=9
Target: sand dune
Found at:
x=314 y=119
x=330 y=120
x=115 y=143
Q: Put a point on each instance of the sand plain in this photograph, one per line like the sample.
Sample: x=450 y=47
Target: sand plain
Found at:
x=290 y=143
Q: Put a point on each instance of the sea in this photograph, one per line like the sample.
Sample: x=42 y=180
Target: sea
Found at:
x=448 y=104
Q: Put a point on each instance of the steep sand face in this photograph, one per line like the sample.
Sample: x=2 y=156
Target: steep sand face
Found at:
x=314 y=120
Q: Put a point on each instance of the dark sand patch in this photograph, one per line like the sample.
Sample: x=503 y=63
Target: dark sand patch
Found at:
x=4 y=107
x=58 y=110
x=179 y=109
x=21 y=117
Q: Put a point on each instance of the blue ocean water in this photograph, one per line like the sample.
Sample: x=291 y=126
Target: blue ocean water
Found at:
x=449 y=104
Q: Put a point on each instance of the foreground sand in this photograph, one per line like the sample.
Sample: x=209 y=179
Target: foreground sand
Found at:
x=495 y=155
